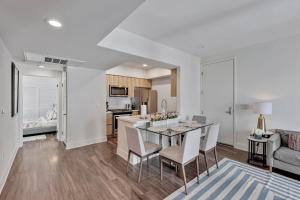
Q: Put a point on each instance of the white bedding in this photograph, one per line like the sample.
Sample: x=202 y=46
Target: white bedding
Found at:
x=42 y=122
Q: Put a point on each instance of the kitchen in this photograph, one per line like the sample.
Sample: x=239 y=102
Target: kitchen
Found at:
x=131 y=85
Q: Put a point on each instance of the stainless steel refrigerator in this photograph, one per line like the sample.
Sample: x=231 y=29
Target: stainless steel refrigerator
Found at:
x=145 y=96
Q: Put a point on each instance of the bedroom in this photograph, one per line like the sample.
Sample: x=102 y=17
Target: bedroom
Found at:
x=41 y=98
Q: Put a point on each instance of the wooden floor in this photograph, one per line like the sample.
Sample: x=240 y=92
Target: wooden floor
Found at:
x=44 y=170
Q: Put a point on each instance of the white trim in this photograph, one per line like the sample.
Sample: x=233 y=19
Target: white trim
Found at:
x=8 y=167
x=234 y=59
x=72 y=145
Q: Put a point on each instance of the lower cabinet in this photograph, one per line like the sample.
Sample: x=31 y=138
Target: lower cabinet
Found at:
x=109 y=124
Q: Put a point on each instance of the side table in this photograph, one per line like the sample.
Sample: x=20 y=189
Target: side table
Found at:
x=253 y=156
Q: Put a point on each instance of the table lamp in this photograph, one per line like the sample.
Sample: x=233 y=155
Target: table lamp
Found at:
x=262 y=108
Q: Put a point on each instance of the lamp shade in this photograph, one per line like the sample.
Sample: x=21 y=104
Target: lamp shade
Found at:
x=264 y=108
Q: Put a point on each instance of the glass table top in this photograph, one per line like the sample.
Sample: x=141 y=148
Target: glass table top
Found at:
x=173 y=129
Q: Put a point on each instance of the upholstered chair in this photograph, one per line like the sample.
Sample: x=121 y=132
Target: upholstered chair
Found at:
x=138 y=147
x=182 y=155
x=210 y=143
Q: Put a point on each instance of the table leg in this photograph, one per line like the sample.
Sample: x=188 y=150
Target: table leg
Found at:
x=179 y=139
x=160 y=140
x=248 y=150
x=264 y=153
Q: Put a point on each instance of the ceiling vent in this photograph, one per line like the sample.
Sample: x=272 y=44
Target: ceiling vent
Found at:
x=55 y=60
x=38 y=58
x=33 y=57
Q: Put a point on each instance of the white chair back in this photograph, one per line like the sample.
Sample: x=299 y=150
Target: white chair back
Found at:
x=211 y=138
x=200 y=119
x=191 y=145
x=135 y=141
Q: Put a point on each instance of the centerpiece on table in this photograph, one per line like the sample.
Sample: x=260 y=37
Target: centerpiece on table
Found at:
x=158 y=119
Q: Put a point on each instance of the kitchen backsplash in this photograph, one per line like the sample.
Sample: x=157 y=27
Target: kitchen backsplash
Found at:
x=118 y=102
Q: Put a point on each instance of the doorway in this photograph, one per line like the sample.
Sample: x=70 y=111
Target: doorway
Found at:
x=218 y=96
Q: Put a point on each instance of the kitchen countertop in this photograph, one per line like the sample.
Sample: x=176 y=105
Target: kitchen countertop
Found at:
x=133 y=119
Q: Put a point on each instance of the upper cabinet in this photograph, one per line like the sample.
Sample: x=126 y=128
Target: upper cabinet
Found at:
x=125 y=81
x=173 y=82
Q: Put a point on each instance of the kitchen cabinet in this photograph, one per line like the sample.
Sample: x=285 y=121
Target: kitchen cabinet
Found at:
x=123 y=81
x=130 y=82
x=135 y=112
x=109 y=124
x=173 y=82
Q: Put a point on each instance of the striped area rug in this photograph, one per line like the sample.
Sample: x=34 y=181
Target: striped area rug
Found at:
x=235 y=180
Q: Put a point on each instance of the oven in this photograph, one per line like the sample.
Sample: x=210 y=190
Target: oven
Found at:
x=117 y=114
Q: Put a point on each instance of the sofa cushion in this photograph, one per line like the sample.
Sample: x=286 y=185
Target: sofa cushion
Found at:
x=294 y=142
x=288 y=155
x=284 y=136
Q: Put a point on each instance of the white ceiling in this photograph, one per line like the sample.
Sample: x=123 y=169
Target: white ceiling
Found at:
x=204 y=27
x=85 y=23
x=189 y=25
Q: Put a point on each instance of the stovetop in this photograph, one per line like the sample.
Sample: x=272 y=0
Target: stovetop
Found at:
x=120 y=111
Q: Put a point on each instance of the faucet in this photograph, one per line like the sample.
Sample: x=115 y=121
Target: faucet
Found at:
x=164 y=105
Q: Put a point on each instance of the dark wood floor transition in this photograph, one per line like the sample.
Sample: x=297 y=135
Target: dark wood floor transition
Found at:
x=44 y=170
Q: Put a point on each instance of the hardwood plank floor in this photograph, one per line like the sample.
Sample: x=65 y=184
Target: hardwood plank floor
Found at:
x=44 y=170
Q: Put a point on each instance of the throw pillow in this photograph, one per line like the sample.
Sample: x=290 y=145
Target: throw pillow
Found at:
x=294 y=141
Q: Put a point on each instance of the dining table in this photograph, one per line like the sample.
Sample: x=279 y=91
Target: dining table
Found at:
x=170 y=130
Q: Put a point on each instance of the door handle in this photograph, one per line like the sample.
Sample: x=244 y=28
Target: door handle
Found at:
x=229 y=111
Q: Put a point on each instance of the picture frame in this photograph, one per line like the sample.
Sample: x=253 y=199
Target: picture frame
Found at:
x=14 y=89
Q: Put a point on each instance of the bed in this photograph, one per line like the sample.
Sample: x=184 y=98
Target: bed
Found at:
x=43 y=125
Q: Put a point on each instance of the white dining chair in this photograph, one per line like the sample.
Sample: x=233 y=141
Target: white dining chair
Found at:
x=138 y=147
x=182 y=155
x=201 y=120
x=209 y=143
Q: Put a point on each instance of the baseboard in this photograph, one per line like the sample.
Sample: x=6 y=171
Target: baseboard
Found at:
x=8 y=167
x=72 y=145
x=241 y=146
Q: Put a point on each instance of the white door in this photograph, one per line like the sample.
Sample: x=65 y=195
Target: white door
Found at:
x=217 y=97
x=64 y=106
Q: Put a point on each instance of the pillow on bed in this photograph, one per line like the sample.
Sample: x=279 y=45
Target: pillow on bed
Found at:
x=294 y=141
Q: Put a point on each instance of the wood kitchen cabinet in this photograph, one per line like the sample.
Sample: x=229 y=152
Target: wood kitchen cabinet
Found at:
x=173 y=82
x=123 y=81
x=109 y=124
x=130 y=82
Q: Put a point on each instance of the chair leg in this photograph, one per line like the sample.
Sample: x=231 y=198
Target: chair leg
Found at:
x=148 y=161
x=197 y=163
x=161 y=169
x=206 y=162
x=129 y=152
x=216 y=157
x=140 y=170
x=270 y=168
x=184 y=178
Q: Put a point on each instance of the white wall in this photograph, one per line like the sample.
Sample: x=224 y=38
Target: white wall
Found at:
x=163 y=87
x=39 y=96
x=127 y=71
x=9 y=136
x=86 y=110
x=188 y=101
x=267 y=72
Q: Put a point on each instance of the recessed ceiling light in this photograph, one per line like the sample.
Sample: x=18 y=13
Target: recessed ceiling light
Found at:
x=145 y=65
x=54 y=23
x=41 y=66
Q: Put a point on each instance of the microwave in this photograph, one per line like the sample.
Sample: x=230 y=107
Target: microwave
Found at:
x=118 y=91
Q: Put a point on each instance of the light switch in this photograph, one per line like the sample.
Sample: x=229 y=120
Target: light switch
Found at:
x=3 y=111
